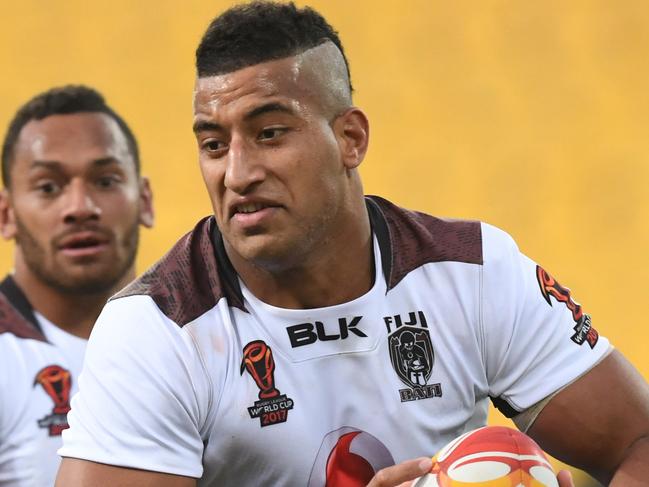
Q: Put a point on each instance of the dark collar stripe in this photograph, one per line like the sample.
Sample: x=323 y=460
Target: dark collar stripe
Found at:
x=16 y=313
x=196 y=273
x=187 y=281
x=410 y=239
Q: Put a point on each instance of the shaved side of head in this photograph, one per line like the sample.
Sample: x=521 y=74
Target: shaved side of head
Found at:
x=323 y=68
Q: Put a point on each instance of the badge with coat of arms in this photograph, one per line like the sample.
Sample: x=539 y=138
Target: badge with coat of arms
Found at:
x=412 y=357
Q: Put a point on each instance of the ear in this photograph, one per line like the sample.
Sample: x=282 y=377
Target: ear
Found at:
x=146 y=203
x=352 y=130
x=7 y=217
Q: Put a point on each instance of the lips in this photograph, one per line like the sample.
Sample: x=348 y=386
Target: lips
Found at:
x=83 y=243
x=248 y=206
x=252 y=214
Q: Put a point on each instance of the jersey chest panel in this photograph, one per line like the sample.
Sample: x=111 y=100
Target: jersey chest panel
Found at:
x=396 y=375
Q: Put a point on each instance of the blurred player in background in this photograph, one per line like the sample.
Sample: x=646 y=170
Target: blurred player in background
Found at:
x=306 y=335
x=73 y=201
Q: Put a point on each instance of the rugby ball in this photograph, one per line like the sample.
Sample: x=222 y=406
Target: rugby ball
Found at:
x=493 y=456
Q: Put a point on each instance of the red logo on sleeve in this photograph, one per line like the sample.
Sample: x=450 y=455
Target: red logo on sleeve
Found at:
x=550 y=287
x=57 y=382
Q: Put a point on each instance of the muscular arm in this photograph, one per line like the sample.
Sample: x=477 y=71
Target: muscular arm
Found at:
x=600 y=423
x=82 y=473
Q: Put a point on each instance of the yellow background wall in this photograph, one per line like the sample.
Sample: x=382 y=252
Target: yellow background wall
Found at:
x=533 y=116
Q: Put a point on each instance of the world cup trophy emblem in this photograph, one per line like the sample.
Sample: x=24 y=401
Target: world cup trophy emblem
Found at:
x=258 y=361
x=272 y=407
x=57 y=383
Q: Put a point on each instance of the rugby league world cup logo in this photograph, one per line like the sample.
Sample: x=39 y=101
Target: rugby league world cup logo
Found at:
x=272 y=407
x=57 y=382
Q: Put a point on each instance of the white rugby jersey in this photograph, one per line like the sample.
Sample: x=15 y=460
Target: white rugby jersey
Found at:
x=39 y=366
x=188 y=373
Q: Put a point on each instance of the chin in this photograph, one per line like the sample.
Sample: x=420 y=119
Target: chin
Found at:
x=100 y=277
x=267 y=253
x=85 y=285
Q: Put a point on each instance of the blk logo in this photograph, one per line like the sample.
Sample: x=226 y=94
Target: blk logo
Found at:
x=308 y=333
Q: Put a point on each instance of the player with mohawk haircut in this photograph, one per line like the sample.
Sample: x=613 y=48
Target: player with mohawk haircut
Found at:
x=308 y=335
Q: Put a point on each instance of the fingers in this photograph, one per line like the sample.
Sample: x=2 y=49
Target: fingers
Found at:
x=565 y=479
x=403 y=472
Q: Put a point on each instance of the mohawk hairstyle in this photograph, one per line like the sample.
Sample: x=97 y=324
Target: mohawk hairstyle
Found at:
x=61 y=101
x=261 y=31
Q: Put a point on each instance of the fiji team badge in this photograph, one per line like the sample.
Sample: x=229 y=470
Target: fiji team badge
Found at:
x=272 y=406
x=412 y=356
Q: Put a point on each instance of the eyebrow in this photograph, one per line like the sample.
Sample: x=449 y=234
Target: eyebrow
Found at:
x=206 y=125
x=268 y=108
x=106 y=161
x=57 y=166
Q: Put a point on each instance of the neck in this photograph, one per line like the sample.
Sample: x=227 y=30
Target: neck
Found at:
x=338 y=270
x=74 y=313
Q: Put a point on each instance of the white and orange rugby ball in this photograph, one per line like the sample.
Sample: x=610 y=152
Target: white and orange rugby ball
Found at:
x=493 y=456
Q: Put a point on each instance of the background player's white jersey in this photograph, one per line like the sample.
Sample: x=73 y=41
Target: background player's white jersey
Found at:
x=39 y=366
x=188 y=373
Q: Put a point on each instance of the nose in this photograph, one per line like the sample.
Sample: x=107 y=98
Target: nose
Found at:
x=79 y=204
x=243 y=171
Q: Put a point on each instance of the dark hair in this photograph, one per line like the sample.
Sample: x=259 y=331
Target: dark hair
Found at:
x=60 y=101
x=261 y=31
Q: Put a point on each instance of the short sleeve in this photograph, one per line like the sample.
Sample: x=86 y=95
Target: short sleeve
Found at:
x=143 y=393
x=537 y=337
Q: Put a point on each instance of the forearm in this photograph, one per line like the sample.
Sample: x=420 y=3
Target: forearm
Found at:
x=634 y=469
x=81 y=473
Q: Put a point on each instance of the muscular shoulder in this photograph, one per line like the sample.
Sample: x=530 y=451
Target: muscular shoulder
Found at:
x=189 y=280
x=497 y=244
x=410 y=239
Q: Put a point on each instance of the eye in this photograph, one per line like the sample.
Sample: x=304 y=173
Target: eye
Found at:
x=271 y=133
x=213 y=146
x=107 y=182
x=48 y=188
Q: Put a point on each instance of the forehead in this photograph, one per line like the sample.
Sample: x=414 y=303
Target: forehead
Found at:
x=278 y=80
x=71 y=136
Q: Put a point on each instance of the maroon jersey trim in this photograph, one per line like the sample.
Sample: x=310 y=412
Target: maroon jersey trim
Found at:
x=410 y=239
x=196 y=273
x=188 y=280
x=16 y=314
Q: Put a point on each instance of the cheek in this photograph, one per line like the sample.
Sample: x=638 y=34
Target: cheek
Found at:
x=119 y=211
x=324 y=179
x=39 y=220
x=212 y=177
x=318 y=172
x=31 y=235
